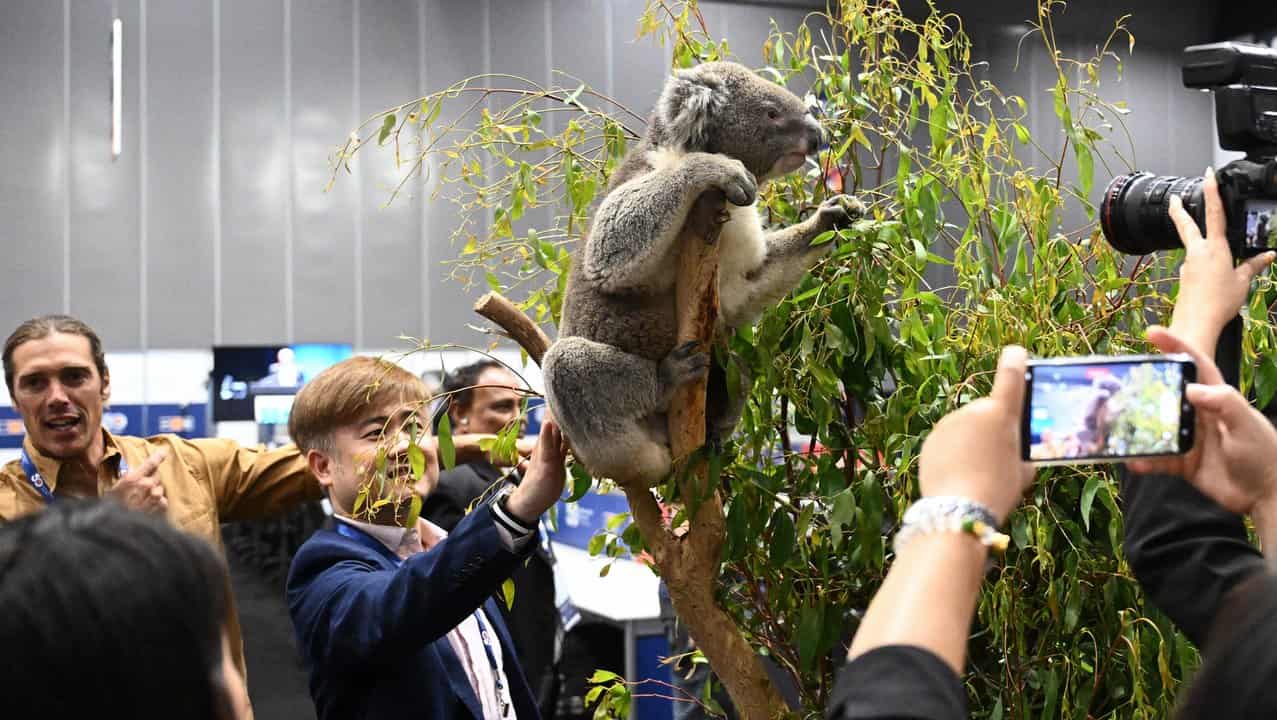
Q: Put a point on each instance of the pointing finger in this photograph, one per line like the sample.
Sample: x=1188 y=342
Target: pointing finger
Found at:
x=1008 y=384
x=152 y=463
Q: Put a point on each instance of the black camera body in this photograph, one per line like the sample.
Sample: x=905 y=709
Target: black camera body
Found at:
x=1134 y=212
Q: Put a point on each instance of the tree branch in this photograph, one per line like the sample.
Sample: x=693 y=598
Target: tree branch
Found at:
x=520 y=328
x=691 y=574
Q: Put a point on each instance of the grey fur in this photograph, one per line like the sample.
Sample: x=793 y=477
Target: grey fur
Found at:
x=610 y=375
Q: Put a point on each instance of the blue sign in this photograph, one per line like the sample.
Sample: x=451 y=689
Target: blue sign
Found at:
x=188 y=421
x=579 y=521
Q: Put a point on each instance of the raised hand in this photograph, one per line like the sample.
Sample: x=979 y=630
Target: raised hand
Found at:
x=542 y=484
x=1212 y=289
x=974 y=452
x=140 y=489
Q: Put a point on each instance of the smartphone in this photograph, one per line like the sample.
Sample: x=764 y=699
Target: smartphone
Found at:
x=1098 y=409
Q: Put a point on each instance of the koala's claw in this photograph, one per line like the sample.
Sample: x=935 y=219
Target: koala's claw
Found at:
x=726 y=174
x=685 y=363
x=840 y=211
x=741 y=191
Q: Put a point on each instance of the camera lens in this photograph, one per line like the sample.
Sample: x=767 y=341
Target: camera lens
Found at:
x=1135 y=212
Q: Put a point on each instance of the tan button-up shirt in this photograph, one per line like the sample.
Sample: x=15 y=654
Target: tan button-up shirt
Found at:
x=207 y=482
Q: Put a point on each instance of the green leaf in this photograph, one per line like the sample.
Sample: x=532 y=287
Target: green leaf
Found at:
x=387 y=127
x=414 y=511
x=1073 y=609
x=782 y=537
x=581 y=482
x=844 y=513
x=810 y=623
x=1052 y=694
x=617 y=521
x=507 y=592
x=1020 y=529
x=416 y=461
x=447 y=451
x=603 y=676
x=597 y=542
x=1088 y=498
x=1085 y=166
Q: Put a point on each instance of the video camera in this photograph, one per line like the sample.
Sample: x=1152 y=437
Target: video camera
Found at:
x=1134 y=213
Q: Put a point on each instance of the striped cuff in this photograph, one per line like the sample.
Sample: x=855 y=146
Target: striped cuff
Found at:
x=503 y=518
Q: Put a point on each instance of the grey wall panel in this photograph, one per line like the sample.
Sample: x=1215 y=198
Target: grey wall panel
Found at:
x=579 y=42
x=254 y=172
x=520 y=45
x=391 y=246
x=454 y=49
x=32 y=191
x=518 y=32
x=105 y=255
x=639 y=66
x=748 y=27
x=180 y=187
x=323 y=222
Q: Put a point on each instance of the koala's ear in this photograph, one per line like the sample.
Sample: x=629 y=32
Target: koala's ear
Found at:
x=688 y=103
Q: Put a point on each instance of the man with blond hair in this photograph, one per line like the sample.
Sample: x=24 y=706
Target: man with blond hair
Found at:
x=393 y=616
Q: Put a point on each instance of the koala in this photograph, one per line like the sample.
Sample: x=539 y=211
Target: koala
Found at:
x=613 y=370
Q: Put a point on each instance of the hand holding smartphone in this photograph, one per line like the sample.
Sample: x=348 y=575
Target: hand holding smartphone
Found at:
x=1099 y=409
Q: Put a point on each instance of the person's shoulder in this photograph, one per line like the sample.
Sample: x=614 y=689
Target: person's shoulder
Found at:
x=12 y=470
x=325 y=551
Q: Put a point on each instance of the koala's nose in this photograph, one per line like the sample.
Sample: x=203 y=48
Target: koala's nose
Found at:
x=815 y=134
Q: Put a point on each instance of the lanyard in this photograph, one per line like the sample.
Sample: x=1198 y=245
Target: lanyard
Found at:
x=376 y=545
x=492 y=662
x=37 y=480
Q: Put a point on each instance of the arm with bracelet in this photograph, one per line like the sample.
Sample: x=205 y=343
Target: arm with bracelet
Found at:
x=911 y=646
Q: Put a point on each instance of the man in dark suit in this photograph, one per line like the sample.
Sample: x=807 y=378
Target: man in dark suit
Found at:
x=398 y=621
x=483 y=398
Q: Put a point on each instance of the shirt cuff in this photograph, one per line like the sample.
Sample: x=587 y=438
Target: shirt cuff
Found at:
x=514 y=534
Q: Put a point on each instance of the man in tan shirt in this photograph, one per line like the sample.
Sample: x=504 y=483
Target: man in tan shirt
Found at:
x=56 y=373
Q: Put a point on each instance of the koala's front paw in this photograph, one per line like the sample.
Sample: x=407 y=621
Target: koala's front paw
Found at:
x=685 y=363
x=839 y=212
x=729 y=175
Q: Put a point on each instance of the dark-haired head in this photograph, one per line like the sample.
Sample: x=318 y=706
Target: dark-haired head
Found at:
x=44 y=326
x=1238 y=677
x=481 y=397
x=112 y=613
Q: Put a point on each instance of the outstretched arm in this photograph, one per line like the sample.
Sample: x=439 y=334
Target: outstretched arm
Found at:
x=788 y=255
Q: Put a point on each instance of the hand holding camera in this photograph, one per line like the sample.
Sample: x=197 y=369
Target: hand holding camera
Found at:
x=1211 y=290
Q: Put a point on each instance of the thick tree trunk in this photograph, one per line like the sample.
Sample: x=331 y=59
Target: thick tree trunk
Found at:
x=688 y=562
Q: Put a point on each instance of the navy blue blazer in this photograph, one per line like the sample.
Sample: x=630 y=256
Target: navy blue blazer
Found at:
x=373 y=635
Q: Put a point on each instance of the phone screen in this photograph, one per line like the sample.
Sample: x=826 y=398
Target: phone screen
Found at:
x=1261 y=224
x=1104 y=409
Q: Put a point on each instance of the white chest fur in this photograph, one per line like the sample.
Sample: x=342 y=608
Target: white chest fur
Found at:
x=742 y=251
x=743 y=247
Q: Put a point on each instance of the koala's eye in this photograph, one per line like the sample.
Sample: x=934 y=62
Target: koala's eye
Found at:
x=773 y=114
